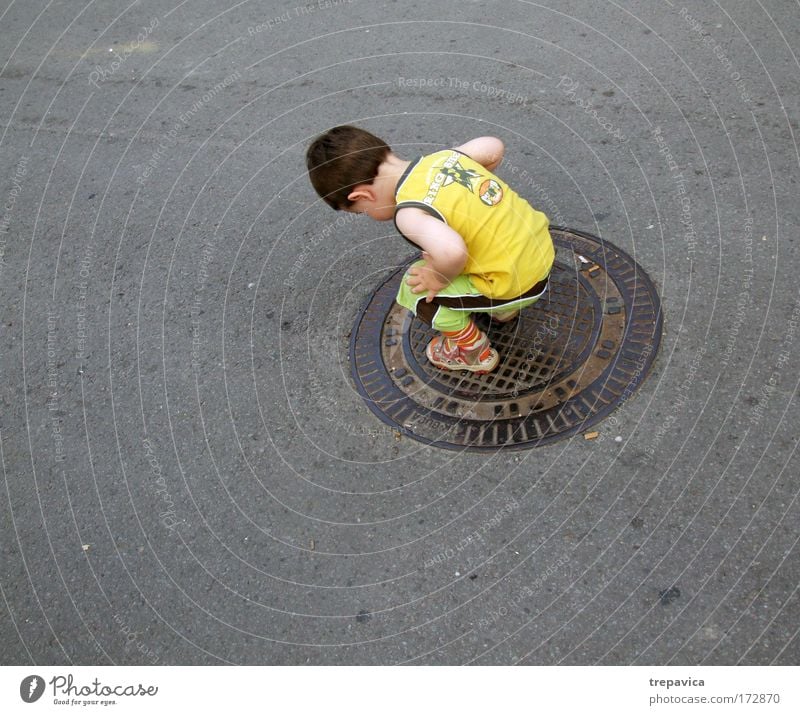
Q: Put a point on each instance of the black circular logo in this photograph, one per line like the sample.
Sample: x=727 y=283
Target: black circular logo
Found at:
x=31 y=688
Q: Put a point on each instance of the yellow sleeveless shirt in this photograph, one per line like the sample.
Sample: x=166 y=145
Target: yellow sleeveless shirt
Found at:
x=508 y=242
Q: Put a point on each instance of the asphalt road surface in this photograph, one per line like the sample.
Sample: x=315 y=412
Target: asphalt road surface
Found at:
x=189 y=476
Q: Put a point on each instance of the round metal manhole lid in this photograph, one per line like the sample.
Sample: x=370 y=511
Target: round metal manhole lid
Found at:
x=574 y=356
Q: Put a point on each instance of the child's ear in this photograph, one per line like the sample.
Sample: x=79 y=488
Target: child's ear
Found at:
x=362 y=191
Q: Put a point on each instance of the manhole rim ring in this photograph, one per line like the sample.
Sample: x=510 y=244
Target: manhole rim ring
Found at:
x=448 y=421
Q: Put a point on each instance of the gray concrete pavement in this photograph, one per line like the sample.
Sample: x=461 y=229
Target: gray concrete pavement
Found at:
x=188 y=474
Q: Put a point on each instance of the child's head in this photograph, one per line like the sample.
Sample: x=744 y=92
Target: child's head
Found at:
x=342 y=158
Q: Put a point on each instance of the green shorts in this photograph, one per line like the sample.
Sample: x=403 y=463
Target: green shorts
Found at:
x=449 y=311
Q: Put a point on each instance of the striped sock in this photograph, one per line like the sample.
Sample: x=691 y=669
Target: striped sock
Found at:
x=467 y=339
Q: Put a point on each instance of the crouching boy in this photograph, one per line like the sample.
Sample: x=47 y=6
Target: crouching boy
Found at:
x=484 y=248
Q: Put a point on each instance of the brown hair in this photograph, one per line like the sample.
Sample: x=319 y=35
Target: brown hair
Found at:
x=341 y=158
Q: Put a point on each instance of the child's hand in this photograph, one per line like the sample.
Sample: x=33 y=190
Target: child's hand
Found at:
x=425 y=278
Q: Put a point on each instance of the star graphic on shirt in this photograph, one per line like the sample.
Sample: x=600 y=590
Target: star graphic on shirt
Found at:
x=459 y=175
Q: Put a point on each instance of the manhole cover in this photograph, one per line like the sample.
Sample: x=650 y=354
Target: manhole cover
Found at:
x=573 y=357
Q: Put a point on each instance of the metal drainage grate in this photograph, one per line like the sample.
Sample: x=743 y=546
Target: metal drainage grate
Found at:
x=575 y=355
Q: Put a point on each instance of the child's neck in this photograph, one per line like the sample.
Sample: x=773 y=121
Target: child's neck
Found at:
x=390 y=171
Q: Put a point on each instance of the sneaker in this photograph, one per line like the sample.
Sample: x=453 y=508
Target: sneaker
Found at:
x=456 y=359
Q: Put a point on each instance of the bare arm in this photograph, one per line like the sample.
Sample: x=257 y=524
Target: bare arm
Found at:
x=487 y=151
x=443 y=249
